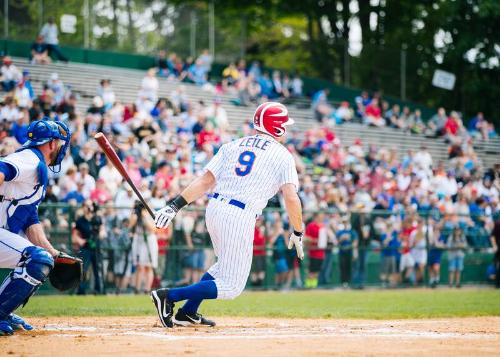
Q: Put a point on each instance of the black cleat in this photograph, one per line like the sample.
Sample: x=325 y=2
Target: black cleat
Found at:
x=183 y=319
x=164 y=307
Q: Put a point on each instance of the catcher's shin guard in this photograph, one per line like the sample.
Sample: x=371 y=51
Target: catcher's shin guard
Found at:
x=5 y=328
x=24 y=280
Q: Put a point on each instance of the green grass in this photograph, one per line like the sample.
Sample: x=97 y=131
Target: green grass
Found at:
x=394 y=304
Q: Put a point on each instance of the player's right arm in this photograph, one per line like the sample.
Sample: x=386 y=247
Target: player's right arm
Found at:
x=198 y=187
x=195 y=190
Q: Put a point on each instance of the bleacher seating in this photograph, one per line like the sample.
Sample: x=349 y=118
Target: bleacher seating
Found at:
x=84 y=79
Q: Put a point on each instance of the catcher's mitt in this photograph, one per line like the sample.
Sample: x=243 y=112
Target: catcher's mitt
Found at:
x=67 y=272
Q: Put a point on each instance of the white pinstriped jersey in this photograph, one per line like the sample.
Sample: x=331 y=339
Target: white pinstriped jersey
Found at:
x=252 y=170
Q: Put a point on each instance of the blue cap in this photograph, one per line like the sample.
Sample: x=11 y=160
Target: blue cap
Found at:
x=43 y=131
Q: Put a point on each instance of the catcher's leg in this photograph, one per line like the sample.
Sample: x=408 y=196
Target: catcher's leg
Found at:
x=11 y=247
x=31 y=271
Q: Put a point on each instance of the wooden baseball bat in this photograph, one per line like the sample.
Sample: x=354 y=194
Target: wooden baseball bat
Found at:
x=115 y=160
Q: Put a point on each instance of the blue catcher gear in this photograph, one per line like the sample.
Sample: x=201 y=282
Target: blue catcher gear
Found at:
x=43 y=131
x=24 y=280
x=5 y=328
x=17 y=323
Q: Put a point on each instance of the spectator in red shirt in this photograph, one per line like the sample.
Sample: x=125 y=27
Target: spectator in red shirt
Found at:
x=315 y=230
x=455 y=131
x=373 y=114
x=259 y=256
x=133 y=170
x=129 y=112
x=164 y=175
x=407 y=262
x=451 y=126
x=328 y=134
x=100 y=193
x=208 y=135
x=337 y=157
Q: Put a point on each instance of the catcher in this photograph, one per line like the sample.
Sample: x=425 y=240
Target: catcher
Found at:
x=23 y=244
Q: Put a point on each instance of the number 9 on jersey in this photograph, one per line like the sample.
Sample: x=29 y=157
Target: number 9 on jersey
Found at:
x=245 y=163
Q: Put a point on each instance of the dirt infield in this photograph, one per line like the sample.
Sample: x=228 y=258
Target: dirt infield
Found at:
x=141 y=336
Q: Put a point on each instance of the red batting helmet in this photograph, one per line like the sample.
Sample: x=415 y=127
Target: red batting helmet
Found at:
x=271 y=118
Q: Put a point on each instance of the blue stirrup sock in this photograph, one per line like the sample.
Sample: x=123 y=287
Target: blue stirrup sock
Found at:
x=192 y=305
x=195 y=294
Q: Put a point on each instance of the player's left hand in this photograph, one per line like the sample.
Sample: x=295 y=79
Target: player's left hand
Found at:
x=297 y=241
x=164 y=216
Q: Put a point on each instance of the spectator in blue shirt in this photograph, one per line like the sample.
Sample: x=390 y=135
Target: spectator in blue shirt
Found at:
x=477 y=235
x=279 y=253
x=361 y=223
x=437 y=243
x=348 y=243
x=390 y=251
x=255 y=70
x=266 y=86
x=39 y=52
x=477 y=210
x=197 y=73
x=322 y=109
x=27 y=83
x=478 y=127
x=19 y=128
x=456 y=253
x=75 y=196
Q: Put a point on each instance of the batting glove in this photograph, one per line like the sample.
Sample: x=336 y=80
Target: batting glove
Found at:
x=164 y=216
x=296 y=239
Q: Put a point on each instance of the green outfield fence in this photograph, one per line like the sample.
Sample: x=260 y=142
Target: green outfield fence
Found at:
x=59 y=218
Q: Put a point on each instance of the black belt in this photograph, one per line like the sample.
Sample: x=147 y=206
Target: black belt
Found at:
x=236 y=203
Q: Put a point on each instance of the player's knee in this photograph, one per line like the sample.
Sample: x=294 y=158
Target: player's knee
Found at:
x=235 y=291
x=31 y=271
x=36 y=264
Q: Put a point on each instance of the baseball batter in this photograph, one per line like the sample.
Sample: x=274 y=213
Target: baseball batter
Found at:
x=23 y=244
x=243 y=176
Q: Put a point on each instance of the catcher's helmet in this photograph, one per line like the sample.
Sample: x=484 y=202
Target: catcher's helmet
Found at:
x=271 y=118
x=43 y=131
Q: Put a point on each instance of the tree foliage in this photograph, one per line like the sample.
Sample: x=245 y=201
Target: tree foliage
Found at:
x=312 y=37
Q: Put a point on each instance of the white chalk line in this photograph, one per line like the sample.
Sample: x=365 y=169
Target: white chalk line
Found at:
x=265 y=333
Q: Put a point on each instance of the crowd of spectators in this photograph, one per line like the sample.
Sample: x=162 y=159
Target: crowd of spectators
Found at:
x=373 y=198
x=190 y=70
x=251 y=84
x=373 y=110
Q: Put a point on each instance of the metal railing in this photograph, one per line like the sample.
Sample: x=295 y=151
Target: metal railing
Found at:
x=331 y=261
